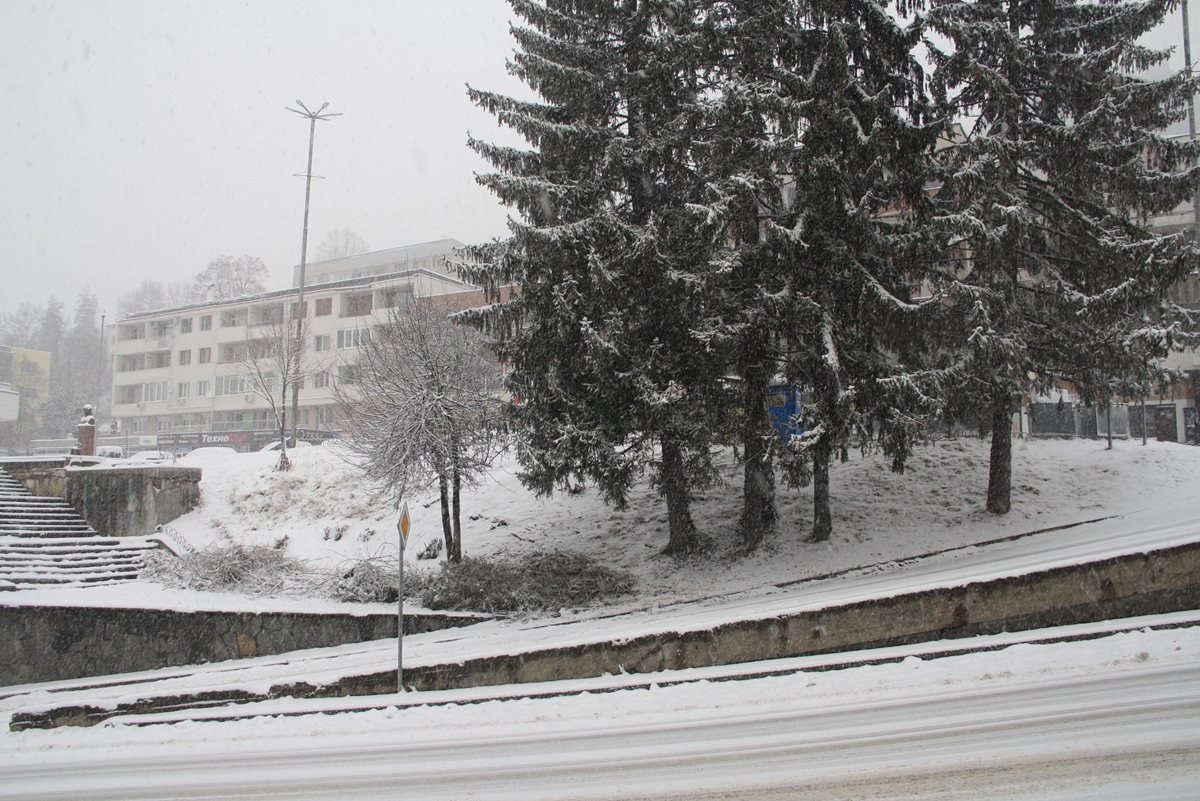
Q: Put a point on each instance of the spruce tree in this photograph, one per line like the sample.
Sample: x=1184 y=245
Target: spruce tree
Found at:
x=1057 y=279
x=827 y=132
x=612 y=361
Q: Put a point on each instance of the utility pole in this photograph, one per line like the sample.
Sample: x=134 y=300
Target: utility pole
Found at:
x=312 y=116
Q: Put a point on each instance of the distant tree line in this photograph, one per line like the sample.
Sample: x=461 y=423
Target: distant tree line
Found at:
x=722 y=196
x=76 y=377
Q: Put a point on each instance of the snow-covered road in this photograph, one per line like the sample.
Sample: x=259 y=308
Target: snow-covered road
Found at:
x=1115 y=717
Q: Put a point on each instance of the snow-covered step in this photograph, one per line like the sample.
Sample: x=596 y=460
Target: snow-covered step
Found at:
x=39 y=561
x=29 y=516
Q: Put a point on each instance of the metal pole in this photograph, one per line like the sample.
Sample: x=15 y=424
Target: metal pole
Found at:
x=400 y=621
x=100 y=384
x=402 y=534
x=312 y=116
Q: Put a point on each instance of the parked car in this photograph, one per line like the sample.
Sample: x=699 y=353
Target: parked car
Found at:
x=210 y=454
x=155 y=457
x=274 y=446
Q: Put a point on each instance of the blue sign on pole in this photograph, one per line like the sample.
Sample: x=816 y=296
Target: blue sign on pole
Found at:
x=785 y=406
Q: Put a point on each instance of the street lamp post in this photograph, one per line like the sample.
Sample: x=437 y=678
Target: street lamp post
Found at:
x=312 y=116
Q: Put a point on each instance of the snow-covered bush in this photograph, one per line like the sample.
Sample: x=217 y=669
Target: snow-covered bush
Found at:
x=250 y=569
x=366 y=581
x=535 y=583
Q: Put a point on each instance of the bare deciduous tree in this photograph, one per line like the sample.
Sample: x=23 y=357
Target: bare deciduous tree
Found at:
x=151 y=294
x=232 y=278
x=340 y=242
x=422 y=402
x=273 y=360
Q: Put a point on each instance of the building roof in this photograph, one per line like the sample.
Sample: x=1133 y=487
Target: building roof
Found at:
x=349 y=283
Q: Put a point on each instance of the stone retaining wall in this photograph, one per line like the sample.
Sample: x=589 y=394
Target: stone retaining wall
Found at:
x=1157 y=582
x=52 y=643
x=116 y=501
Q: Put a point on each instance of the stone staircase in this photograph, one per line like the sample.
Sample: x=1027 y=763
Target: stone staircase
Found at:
x=44 y=541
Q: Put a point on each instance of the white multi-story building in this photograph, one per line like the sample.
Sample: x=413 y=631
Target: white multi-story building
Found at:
x=431 y=256
x=180 y=374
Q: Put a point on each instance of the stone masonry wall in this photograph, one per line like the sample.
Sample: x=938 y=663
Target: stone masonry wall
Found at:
x=53 y=643
x=117 y=502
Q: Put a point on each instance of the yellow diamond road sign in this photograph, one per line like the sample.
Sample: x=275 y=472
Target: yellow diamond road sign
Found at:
x=403 y=525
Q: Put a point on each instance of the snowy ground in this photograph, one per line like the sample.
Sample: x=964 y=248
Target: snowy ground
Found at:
x=878 y=515
x=1109 y=718
x=1116 y=717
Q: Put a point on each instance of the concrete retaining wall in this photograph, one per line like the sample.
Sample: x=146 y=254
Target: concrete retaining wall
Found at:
x=117 y=502
x=1139 y=584
x=52 y=643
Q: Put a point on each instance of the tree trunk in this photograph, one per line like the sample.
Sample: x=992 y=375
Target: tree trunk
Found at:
x=758 y=487
x=285 y=463
x=683 y=537
x=999 y=493
x=456 y=554
x=822 y=516
x=447 y=531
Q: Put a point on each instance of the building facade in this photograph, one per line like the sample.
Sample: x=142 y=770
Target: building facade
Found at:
x=181 y=376
x=431 y=256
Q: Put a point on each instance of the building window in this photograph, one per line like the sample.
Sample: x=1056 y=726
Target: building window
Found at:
x=233 y=318
x=154 y=391
x=205 y=355
x=185 y=357
x=160 y=329
x=352 y=337
x=139 y=426
x=183 y=389
x=348 y=374
x=324 y=306
x=320 y=380
x=232 y=385
x=202 y=389
x=233 y=352
x=134 y=331
x=129 y=394
x=321 y=343
x=325 y=415
x=164 y=424
x=131 y=362
x=185 y=325
x=356 y=305
x=162 y=359
x=267 y=315
x=395 y=297
x=206 y=322
x=296 y=310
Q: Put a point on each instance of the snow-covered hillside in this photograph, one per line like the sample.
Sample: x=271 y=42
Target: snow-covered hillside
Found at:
x=325 y=509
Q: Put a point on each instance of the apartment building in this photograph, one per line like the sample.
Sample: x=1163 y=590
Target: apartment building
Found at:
x=180 y=374
x=432 y=256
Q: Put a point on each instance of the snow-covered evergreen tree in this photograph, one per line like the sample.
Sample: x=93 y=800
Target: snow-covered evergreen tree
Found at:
x=819 y=151
x=608 y=339
x=1059 y=280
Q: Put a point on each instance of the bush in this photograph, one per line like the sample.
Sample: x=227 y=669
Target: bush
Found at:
x=534 y=583
x=367 y=581
x=251 y=569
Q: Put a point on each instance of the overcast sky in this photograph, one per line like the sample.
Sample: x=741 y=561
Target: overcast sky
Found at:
x=143 y=139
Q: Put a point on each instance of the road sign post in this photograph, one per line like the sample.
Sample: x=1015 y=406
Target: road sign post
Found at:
x=402 y=526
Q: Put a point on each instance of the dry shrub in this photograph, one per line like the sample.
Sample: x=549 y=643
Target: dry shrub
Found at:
x=534 y=583
x=366 y=581
x=249 y=569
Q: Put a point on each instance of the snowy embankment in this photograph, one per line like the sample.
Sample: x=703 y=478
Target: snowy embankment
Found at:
x=326 y=514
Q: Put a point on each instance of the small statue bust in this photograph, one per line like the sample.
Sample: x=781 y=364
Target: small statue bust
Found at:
x=89 y=418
